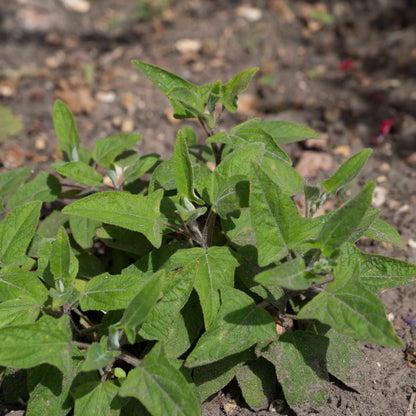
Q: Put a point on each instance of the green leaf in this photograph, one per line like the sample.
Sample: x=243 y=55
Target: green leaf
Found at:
x=83 y=230
x=17 y=283
x=98 y=356
x=142 y=304
x=18 y=311
x=235 y=86
x=65 y=128
x=166 y=82
x=164 y=177
x=214 y=96
x=228 y=195
x=258 y=383
x=248 y=133
x=10 y=125
x=192 y=101
x=351 y=309
x=17 y=230
x=124 y=240
x=176 y=291
x=347 y=172
x=10 y=181
x=46 y=341
x=110 y=292
x=381 y=231
x=106 y=150
x=378 y=272
x=239 y=230
x=50 y=391
x=160 y=386
x=274 y=217
x=80 y=172
x=238 y=326
x=366 y=221
x=290 y=275
x=134 y=212
x=185 y=328
x=50 y=225
x=283 y=175
x=215 y=270
x=238 y=161
x=288 y=132
x=345 y=220
x=211 y=378
x=64 y=265
x=184 y=175
x=142 y=165
x=344 y=358
x=97 y=399
x=300 y=362
x=45 y=187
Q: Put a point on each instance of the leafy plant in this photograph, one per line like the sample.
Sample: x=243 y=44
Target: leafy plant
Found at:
x=151 y=295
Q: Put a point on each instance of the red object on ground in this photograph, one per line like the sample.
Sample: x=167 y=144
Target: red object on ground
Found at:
x=385 y=128
x=346 y=64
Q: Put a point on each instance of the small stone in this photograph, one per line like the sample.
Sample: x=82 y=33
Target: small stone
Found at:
x=78 y=6
x=381 y=179
x=106 y=97
x=186 y=46
x=411 y=160
x=12 y=156
x=384 y=167
x=40 y=142
x=332 y=114
x=379 y=196
x=310 y=163
x=343 y=150
x=127 y=126
x=319 y=144
x=247 y=103
x=411 y=243
x=127 y=101
x=252 y=14
x=116 y=121
x=8 y=87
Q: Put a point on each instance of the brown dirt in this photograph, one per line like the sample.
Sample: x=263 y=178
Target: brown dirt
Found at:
x=47 y=51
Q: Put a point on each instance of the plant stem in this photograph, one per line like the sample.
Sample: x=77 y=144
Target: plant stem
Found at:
x=209 y=228
x=129 y=359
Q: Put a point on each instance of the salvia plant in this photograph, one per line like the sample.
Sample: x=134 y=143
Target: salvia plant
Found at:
x=135 y=286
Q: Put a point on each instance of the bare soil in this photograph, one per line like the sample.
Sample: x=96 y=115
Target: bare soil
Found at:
x=341 y=67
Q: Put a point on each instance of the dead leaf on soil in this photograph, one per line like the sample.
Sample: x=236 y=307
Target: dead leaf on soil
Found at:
x=78 y=98
x=12 y=156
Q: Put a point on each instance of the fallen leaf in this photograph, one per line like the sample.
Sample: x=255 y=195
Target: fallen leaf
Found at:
x=78 y=99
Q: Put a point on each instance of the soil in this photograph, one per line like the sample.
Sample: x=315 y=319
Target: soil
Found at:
x=340 y=67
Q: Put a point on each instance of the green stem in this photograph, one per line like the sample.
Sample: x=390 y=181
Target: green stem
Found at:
x=209 y=228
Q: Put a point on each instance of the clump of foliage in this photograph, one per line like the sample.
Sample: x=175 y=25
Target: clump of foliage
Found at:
x=187 y=273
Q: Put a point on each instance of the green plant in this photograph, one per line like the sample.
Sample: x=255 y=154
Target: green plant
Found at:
x=154 y=295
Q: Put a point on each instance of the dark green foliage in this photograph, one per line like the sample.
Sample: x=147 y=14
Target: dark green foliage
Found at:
x=149 y=296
